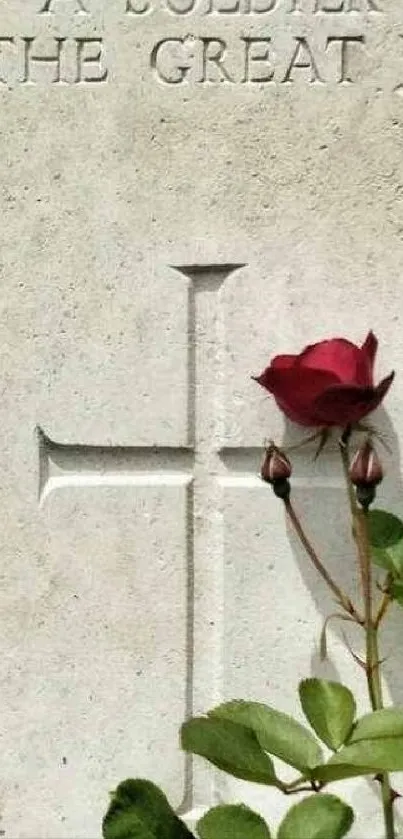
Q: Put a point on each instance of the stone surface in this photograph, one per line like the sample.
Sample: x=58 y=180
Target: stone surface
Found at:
x=187 y=188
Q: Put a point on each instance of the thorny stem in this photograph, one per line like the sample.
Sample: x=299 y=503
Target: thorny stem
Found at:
x=341 y=598
x=374 y=679
x=360 y=529
x=372 y=663
x=385 y=602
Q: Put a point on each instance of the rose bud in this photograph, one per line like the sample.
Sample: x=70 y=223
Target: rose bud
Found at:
x=366 y=468
x=276 y=470
x=366 y=473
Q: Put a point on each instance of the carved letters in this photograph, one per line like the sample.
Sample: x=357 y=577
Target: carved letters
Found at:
x=313 y=50
x=52 y=60
x=309 y=8
x=208 y=60
x=51 y=6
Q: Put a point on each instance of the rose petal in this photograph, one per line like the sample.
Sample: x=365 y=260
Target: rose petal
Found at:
x=368 y=353
x=282 y=362
x=383 y=387
x=337 y=356
x=370 y=346
x=346 y=404
x=296 y=389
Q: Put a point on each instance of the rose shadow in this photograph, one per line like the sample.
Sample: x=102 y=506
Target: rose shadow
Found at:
x=319 y=495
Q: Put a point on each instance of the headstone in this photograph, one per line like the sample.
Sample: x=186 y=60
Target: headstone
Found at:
x=188 y=187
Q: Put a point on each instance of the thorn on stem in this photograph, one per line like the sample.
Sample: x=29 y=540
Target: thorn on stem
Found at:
x=377 y=664
x=356 y=658
x=393 y=793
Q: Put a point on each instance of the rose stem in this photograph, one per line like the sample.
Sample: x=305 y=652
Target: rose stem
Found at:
x=372 y=664
x=342 y=598
x=385 y=602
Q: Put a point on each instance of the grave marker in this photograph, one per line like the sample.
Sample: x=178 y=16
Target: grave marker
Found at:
x=252 y=150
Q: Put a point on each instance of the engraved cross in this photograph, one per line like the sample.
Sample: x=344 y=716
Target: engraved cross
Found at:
x=203 y=466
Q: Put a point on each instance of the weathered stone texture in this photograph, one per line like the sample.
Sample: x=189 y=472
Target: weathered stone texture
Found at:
x=187 y=187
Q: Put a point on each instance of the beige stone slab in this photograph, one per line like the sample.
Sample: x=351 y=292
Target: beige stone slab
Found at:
x=256 y=146
x=95 y=655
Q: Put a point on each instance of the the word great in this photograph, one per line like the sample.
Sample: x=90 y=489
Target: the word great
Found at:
x=255 y=60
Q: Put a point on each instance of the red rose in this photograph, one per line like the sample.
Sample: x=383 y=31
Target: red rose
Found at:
x=329 y=383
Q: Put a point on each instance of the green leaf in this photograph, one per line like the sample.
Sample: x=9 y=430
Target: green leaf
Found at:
x=366 y=757
x=317 y=817
x=386 y=539
x=232 y=821
x=229 y=746
x=385 y=529
x=396 y=591
x=139 y=810
x=378 y=725
x=277 y=733
x=330 y=709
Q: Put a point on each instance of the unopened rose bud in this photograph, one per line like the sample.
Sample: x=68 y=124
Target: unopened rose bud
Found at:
x=276 y=465
x=366 y=468
x=276 y=470
x=366 y=473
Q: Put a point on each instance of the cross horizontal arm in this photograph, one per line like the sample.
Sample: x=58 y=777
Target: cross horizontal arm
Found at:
x=245 y=459
x=62 y=464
